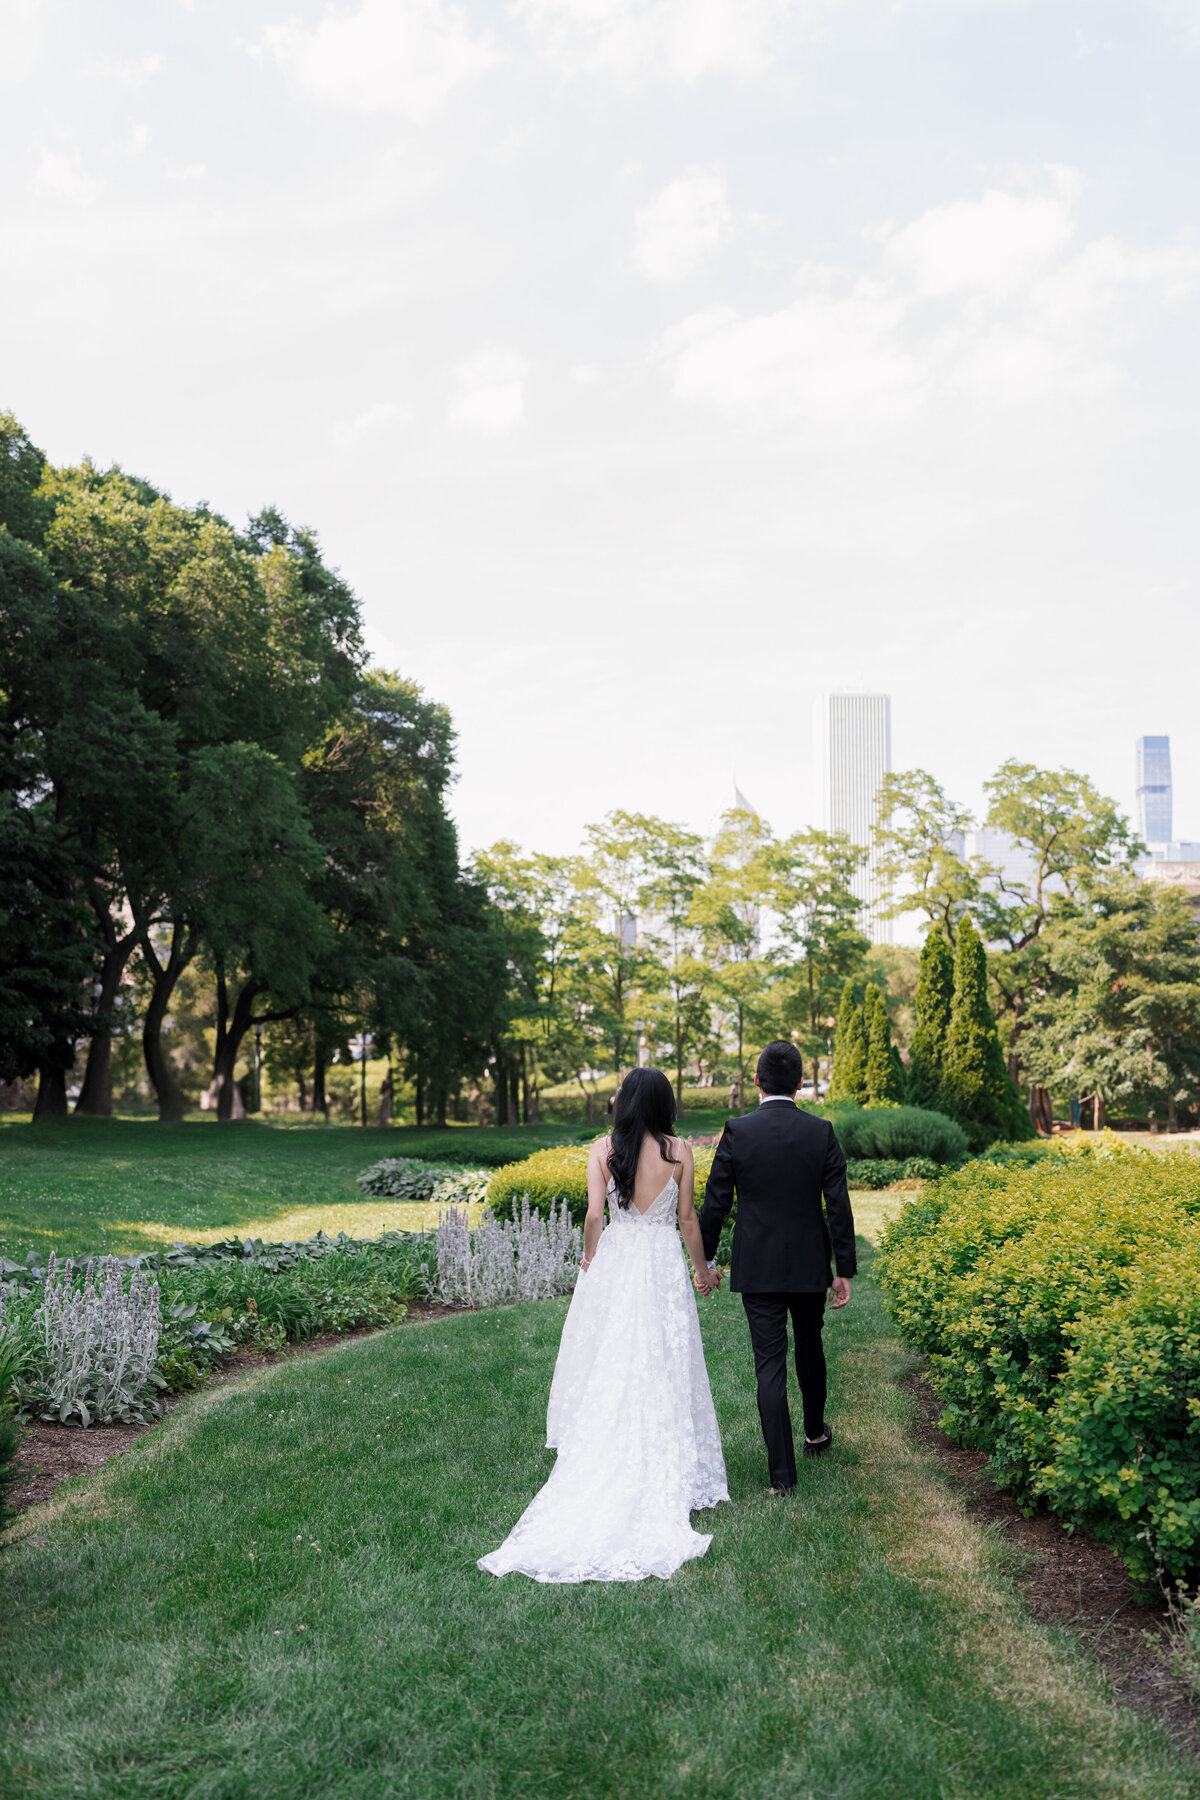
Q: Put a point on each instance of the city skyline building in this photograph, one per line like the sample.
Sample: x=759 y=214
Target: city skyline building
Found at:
x=1152 y=783
x=852 y=741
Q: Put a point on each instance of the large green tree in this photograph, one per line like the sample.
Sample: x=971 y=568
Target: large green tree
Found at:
x=817 y=920
x=849 y=1077
x=729 y=910
x=1116 y=1018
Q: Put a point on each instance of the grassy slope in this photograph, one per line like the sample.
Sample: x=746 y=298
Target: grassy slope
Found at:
x=122 y=1185
x=176 y=1632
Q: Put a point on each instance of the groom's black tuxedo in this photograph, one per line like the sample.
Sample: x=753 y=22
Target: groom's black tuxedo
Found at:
x=779 y=1160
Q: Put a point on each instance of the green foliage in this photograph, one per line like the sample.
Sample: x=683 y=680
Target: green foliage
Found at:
x=404 y=1178
x=882 y=1171
x=931 y=1022
x=895 y=1133
x=11 y=1434
x=553 y=1175
x=849 y=1052
x=884 y=1078
x=1057 y=1305
x=976 y=1088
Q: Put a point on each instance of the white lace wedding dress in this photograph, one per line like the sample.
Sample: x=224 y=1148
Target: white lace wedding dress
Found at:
x=630 y=1414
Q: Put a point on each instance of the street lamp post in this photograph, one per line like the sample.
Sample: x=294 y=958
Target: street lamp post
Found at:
x=365 y=1042
x=258 y=1030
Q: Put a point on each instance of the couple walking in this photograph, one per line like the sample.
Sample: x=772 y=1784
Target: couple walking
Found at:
x=631 y=1412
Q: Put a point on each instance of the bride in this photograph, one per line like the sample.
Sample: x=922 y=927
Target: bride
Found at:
x=631 y=1413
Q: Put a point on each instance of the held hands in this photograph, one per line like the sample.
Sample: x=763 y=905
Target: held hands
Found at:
x=706 y=1280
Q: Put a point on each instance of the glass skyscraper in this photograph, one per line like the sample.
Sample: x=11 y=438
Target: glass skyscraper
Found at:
x=853 y=744
x=1154 y=789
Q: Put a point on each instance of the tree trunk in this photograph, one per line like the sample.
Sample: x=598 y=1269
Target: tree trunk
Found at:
x=51 y=1103
x=419 y=1099
x=587 y=1099
x=500 y=1078
x=741 y=1062
x=1172 y=1112
x=320 y=1099
x=514 y=1091
x=1041 y=1110
x=232 y=1026
x=531 y=1110
x=95 y=1096
x=1097 y=1111
x=678 y=1062
x=387 y=1092
x=164 y=977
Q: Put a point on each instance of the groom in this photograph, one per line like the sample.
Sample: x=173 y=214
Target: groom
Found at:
x=779 y=1160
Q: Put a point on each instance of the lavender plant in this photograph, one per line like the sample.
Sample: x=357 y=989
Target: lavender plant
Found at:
x=99 y=1346
x=524 y=1258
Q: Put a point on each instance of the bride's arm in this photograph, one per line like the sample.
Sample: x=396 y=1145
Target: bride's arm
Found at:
x=689 y=1224
x=597 y=1185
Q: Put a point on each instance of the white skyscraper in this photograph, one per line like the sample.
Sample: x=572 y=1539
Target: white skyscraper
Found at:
x=853 y=743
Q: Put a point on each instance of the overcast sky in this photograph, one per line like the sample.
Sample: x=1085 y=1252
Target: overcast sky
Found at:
x=648 y=366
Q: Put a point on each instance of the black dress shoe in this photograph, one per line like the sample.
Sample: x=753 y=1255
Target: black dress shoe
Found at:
x=777 y=1490
x=822 y=1443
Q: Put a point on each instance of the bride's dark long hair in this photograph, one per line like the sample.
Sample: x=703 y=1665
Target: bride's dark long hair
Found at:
x=645 y=1103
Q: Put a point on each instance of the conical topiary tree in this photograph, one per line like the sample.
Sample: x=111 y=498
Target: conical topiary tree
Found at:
x=976 y=1089
x=849 y=1052
x=931 y=1022
x=881 y=1058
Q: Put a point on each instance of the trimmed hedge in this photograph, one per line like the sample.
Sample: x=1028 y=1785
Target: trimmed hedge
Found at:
x=895 y=1132
x=552 y=1175
x=1059 y=1307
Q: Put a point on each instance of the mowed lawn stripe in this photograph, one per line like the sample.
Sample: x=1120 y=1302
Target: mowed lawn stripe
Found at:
x=275 y=1594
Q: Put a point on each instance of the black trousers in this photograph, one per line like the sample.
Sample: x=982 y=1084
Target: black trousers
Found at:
x=767 y=1317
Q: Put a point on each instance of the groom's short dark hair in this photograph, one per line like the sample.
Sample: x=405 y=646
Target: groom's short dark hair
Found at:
x=780 y=1068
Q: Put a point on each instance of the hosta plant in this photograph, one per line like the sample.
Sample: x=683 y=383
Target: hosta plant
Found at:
x=404 y=1178
x=99 y=1346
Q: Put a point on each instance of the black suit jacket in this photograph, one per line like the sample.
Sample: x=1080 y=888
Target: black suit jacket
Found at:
x=779 y=1160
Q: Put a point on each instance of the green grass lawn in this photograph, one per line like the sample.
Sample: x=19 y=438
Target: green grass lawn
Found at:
x=94 y=1185
x=274 y=1596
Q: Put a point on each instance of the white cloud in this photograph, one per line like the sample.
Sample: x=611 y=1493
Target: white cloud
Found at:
x=61 y=176
x=1025 y=316
x=586 y=374
x=672 y=40
x=994 y=244
x=1182 y=18
x=385 y=57
x=682 y=226
x=134 y=73
x=371 y=423
x=21 y=38
x=489 y=393
x=139 y=139
x=835 y=361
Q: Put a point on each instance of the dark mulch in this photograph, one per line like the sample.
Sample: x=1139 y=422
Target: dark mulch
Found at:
x=1072 y=1580
x=50 y=1454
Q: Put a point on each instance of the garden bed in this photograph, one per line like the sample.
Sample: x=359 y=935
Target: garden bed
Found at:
x=1072 y=1580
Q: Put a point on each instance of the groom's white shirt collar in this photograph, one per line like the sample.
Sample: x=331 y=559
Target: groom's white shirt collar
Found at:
x=767 y=1099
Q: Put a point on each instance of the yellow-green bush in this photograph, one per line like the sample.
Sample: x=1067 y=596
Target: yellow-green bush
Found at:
x=1054 y=1305
x=561 y=1174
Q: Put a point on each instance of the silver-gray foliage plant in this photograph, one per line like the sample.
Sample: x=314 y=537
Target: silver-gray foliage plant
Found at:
x=526 y=1258
x=405 y=1178
x=99 y=1344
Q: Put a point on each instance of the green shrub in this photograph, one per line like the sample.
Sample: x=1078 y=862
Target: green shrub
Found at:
x=895 y=1132
x=1056 y=1304
x=552 y=1175
x=11 y=1434
x=882 y=1171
